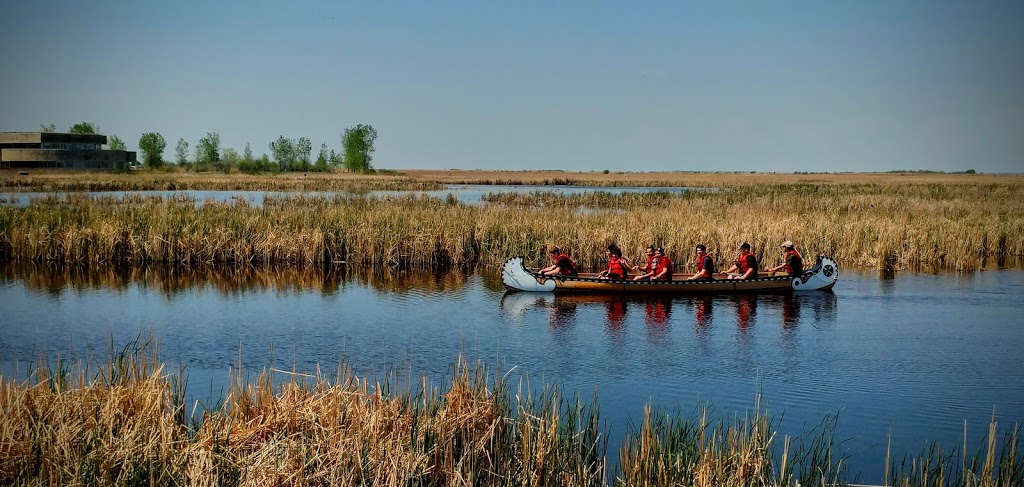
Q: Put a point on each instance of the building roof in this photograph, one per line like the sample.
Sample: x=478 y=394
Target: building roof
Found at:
x=50 y=137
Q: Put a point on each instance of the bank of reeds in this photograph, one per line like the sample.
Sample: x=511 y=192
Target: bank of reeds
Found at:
x=126 y=422
x=958 y=227
x=73 y=181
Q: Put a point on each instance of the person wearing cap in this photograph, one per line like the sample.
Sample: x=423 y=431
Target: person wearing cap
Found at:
x=705 y=265
x=745 y=266
x=793 y=263
x=563 y=265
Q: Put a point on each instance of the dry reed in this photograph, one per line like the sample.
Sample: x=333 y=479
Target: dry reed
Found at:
x=126 y=422
x=899 y=226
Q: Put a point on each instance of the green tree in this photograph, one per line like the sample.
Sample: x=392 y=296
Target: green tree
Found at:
x=285 y=153
x=116 y=143
x=321 y=160
x=303 y=149
x=208 y=149
x=84 y=128
x=48 y=128
x=152 y=145
x=181 y=152
x=229 y=158
x=357 y=146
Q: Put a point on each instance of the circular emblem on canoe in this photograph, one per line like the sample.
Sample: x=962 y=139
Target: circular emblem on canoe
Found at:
x=828 y=271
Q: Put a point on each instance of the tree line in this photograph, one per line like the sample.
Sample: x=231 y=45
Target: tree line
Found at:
x=357 y=147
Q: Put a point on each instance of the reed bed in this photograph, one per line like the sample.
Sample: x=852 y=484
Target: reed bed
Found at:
x=898 y=226
x=126 y=422
x=172 y=180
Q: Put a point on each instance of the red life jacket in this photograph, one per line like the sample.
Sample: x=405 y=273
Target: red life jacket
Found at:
x=615 y=267
x=572 y=265
x=799 y=267
x=700 y=261
x=664 y=263
x=650 y=264
x=743 y=266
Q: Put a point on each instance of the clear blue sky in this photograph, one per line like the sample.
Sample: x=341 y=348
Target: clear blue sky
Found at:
x=864 y=85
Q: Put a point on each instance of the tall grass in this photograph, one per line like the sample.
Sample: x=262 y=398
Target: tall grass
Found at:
x=125 y=421
x=958 y=227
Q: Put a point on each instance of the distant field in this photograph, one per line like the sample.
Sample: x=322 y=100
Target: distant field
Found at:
x=691 y=179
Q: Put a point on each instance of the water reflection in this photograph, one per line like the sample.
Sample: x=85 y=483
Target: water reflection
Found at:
x=55 y=280
x=745 y=311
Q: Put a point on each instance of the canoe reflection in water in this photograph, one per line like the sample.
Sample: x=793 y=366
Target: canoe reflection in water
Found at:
x=747 y=310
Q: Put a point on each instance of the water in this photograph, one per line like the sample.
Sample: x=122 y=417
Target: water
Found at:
x=916 y=355
x=471 y=194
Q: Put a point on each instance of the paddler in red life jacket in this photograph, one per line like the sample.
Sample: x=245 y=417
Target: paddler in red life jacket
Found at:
x=745 y=266
x=705 y=265
x=663 y=272
x=793 y=263
x=618 y=268
x=652 y=265
x=563 y=265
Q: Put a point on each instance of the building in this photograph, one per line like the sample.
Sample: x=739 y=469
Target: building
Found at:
x=68 y=151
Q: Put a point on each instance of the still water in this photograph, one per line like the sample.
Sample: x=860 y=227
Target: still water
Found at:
x=916 y=355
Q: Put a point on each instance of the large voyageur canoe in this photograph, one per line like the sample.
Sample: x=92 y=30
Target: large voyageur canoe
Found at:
x=516 y=277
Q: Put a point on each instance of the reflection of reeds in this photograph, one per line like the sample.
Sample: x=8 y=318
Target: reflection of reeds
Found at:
x=894 y=226
x=170 y=280
x=126 y=422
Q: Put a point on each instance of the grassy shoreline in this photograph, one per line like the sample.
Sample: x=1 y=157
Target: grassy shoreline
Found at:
x=125 y=421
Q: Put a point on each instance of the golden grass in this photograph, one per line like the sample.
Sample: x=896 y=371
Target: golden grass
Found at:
x=888 y=226
x=126 y=422
x=178 y=180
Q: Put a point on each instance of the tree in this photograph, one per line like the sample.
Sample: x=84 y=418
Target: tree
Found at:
x=84 y=128
x=321 y=160
x=303 y=149
x=208 y=149
x=284 y=152
x=48 y=128
x=181 y=152
x=334 y=159
x=357 y=146
x=152 y=145
x=115 y=143
x=228 y=159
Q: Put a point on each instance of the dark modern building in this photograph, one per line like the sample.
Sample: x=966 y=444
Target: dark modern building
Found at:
x=68 y=151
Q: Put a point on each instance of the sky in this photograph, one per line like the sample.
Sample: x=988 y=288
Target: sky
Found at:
x=864 y=85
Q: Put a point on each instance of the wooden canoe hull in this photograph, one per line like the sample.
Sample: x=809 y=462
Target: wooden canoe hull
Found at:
x=516 y=277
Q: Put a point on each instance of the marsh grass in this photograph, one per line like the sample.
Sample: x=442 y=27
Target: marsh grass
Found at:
x=898 y=226
x=125 y=421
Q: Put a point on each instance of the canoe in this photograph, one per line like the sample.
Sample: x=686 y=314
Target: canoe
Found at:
x=820 y=277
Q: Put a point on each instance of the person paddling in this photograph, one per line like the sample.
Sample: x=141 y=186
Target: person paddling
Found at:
x=563 y=265
x=745 y=266
x=618 y=268
x=648 y=270
x=705 y=265
x=793 y=263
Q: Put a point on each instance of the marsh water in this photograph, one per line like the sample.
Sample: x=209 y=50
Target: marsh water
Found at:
x=914 y=354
